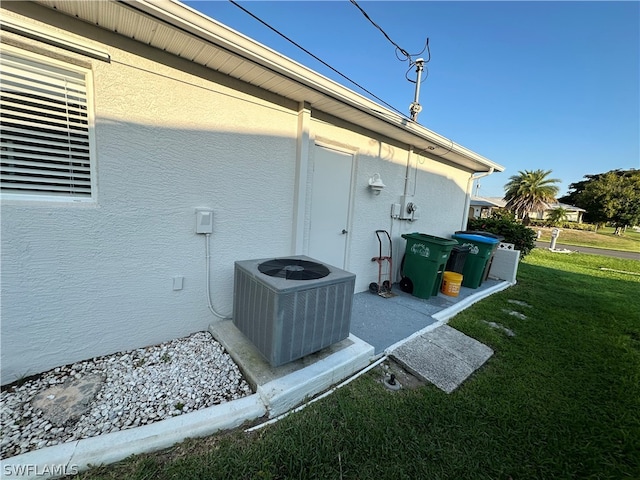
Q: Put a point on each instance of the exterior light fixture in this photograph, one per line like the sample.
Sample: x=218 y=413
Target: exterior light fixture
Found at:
x=375 y=184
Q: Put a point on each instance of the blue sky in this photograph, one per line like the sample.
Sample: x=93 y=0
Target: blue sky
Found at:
x=529 y=85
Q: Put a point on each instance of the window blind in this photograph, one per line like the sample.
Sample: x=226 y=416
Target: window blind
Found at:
x=44 y=131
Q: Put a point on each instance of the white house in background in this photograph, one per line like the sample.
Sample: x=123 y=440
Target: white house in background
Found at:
x=482 y=207
x=121 y=118
x=574 y=214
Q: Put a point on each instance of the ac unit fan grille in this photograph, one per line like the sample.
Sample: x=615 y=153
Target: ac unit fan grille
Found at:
x=293 y=269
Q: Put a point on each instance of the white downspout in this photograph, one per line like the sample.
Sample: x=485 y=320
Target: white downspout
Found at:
x=467 y=202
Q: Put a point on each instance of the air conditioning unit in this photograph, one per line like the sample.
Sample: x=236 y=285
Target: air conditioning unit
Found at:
x=291 y=307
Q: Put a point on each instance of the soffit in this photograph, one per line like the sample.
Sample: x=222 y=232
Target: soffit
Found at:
x=180 y=30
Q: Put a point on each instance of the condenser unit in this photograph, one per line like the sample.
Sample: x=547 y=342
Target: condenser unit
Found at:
x=291 y=307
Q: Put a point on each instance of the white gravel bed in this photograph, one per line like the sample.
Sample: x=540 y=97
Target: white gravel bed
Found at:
x=140 y=387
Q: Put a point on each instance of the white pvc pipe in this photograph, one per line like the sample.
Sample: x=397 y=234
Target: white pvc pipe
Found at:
x=467 y=201
x=208 y=285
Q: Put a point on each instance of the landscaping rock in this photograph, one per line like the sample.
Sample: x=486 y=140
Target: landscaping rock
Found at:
x=116 y=392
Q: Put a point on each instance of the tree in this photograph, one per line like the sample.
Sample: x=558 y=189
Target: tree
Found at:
x=557 y=215
x=530 y=191
x=612 y=197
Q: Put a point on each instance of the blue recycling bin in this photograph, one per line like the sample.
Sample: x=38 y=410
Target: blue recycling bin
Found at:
x=481 y=249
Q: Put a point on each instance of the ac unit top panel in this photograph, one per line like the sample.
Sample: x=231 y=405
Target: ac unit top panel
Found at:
x=279 y=284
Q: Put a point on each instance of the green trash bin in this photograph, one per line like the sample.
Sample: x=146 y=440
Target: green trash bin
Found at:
x=424 y=262
x=482 y=247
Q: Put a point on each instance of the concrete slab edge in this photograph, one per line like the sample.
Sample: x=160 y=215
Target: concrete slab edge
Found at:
x=442 y=317
x=465 y=303
x=77 y=456
x=285 y=393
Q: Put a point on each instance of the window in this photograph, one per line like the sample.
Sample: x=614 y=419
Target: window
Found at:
x=46 y=134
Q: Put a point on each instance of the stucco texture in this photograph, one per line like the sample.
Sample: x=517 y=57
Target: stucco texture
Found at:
x=89 y=279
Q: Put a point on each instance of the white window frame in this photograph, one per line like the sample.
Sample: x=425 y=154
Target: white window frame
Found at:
x=58 y=68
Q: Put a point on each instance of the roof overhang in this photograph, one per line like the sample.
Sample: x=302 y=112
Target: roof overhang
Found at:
x=178 y=29
x=487 y=202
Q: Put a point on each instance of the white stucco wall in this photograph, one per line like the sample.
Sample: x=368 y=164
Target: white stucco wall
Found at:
x=82 y=280
x=437 y=188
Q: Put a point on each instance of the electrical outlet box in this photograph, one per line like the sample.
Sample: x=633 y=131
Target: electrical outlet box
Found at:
x=204 y=220
x=406 y=213
x=395 y=210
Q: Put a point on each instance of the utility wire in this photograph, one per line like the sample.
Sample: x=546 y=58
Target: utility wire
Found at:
x=408 y=56
x=315 y=57
x=402 y=50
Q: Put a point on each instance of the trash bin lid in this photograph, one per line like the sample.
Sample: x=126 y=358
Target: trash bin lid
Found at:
x=481 y=232
x=473 y=237
x=423 y=237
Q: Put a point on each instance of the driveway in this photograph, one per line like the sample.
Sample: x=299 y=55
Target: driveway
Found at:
x=594 y=251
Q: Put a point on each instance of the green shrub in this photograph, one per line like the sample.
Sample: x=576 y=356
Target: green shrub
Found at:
x=578 y=226
x=506 y=225
x=566 y=225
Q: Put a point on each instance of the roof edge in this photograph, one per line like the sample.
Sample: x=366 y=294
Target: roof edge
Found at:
x=193 y=21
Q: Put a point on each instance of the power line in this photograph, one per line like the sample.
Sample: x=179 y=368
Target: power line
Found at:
x=315 y=57
x=407 y=55
x=402 y=50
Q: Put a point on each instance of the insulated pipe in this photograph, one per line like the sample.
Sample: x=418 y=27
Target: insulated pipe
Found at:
x=467 y=202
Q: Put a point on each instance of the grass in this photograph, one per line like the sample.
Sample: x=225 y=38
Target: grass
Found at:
x=560 y=399
x=603 y=238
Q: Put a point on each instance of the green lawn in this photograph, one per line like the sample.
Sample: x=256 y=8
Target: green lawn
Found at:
x=559 y=400
x=603 y=238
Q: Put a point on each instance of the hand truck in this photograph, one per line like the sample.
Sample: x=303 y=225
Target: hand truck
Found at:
x=383 y=288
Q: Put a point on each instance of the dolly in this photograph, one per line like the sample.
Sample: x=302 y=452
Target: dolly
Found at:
x=383 y=288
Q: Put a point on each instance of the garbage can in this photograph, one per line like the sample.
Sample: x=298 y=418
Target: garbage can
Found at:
x=482 y=247
x=457 y=258
x=424 y=262
x=500 y=238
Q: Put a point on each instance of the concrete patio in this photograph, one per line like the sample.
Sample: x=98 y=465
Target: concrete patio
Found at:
x=400 y=326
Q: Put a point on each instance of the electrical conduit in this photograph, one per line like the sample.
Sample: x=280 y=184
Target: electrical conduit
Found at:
x=208 y=261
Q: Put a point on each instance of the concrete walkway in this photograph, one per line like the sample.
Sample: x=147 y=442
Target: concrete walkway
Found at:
x=279 y=390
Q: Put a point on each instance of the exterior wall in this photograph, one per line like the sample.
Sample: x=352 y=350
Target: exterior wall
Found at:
x=439 y=191
x=82 y=280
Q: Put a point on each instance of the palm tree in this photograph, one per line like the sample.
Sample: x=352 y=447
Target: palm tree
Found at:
x=530 y=191
x=557 y=215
